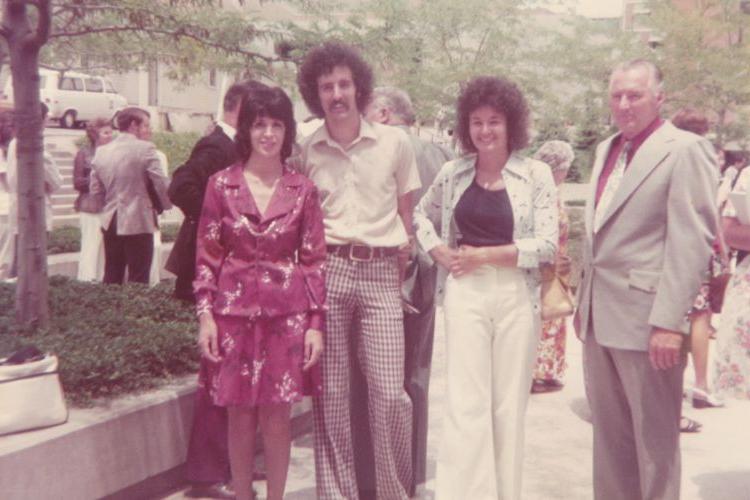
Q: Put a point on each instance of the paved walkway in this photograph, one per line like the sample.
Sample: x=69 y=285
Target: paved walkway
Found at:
x=716 y=461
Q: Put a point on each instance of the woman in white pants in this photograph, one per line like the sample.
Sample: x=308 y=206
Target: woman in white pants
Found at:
x=498 y=220
x=91 y=256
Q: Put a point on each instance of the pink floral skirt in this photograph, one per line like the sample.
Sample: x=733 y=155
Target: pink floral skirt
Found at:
x=262 y=361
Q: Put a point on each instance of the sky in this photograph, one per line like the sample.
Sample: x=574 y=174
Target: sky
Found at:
x=599 y=8
x=588 y=8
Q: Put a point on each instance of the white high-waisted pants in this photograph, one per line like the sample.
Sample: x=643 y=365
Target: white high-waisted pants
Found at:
x=91 y=258
x=492 y=334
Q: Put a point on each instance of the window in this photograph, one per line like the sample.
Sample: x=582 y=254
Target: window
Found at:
x=67 y=84
x=42 y=81
x=212 y=78
x=109 y=88
x=94 y=85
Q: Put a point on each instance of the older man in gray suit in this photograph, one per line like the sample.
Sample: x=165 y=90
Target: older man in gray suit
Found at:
x=128 y=181
x=650 y=222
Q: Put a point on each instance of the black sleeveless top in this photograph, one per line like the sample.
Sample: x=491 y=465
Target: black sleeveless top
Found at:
x=484 y=218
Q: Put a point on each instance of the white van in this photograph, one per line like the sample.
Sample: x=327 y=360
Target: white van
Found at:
x=74 y=98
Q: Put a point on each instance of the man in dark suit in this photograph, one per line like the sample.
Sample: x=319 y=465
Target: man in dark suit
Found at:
x=392 y=106
x=207 y=466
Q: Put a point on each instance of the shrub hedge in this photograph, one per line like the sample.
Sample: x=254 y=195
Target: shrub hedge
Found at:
x=110 y=340
x=67 y=239
x=176 y=145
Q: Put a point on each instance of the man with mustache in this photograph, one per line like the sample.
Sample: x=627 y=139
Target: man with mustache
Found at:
x=650 y=222
x=366 y=173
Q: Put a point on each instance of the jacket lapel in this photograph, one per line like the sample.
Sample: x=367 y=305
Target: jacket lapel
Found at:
x=238 y=193
x=646 y=159
x=601 y=156
x=284 y=198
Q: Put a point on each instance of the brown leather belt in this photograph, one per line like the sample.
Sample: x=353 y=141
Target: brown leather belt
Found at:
x=361 y=253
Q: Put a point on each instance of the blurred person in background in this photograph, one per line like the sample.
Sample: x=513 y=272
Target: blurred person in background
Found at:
x=91 y=258
x=550 y=360
x=127 y=180
x=695 y=121
x=6 y=238
x=52 y=182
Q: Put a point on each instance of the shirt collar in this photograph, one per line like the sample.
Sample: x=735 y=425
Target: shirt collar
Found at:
x=235 y=177
x=641 y=137
x=228 y=129
x=366 y=131
x=514 y=165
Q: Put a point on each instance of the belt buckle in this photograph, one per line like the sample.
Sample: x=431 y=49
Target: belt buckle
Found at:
x=358 y=259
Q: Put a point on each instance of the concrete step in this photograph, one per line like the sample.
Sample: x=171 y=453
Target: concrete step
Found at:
x=64 y=198
x=62 y=210
x=59 y=154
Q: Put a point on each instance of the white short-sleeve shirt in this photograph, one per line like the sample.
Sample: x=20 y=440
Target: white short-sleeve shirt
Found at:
x=359 y=185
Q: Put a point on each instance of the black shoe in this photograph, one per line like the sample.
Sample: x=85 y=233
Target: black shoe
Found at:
x=215 y=490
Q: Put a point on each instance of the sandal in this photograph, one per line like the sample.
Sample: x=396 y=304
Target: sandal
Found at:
x=689 y=425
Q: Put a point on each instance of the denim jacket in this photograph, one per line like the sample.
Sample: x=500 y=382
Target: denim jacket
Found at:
x=533 y=197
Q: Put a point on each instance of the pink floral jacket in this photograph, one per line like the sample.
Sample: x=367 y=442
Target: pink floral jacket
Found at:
x=268 y=265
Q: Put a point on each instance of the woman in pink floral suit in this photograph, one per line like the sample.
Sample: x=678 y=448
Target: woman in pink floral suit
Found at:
x=260 y=289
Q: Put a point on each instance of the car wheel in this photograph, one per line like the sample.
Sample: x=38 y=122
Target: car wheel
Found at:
x=68 y=120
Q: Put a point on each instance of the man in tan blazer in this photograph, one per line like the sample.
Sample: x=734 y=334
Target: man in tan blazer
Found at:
x=124 y=171
x=650 y=222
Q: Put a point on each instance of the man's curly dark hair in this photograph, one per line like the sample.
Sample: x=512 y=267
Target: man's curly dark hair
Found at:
x=269 y=102
x=503 y=96
x=320 y=61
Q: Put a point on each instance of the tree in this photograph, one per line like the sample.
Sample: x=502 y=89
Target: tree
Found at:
x=189 y=35
x=25 y=35
x=705 y=58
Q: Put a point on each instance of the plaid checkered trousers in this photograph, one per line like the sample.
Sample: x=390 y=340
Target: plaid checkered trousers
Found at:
x=364 y=293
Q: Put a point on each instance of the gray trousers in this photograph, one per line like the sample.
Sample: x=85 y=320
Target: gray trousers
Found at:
x=635 y=414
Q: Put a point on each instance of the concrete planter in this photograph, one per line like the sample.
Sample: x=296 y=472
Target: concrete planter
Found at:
x=133 y=447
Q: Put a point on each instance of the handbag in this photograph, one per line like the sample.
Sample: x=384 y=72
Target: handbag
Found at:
x=31 y=396
x=556 y=299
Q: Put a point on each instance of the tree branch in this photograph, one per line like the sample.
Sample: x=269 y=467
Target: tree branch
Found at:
x=40 y=36
x=177 y=33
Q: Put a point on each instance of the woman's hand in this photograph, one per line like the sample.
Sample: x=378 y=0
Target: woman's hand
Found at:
x=467 y=259
x=208 y=338
x=313 y=348
x=443 y=255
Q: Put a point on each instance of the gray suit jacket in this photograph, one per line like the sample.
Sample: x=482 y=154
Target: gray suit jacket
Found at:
x=643 y=266
x=118 y=181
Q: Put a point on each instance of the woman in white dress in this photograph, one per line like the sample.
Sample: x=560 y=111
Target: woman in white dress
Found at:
x=91 y=257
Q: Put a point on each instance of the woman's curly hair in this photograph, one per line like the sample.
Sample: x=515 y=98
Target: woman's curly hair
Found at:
x=320 y=61
x=273 y=103
x=503 y=96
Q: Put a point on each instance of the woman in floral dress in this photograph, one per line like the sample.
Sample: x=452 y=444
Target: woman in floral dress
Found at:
x=732 y=364
x=260 y=290
x=550 y=361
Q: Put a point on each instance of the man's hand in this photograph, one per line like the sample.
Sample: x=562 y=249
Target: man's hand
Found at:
x=313 y=348
x=664 y=348
x=208 y=339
